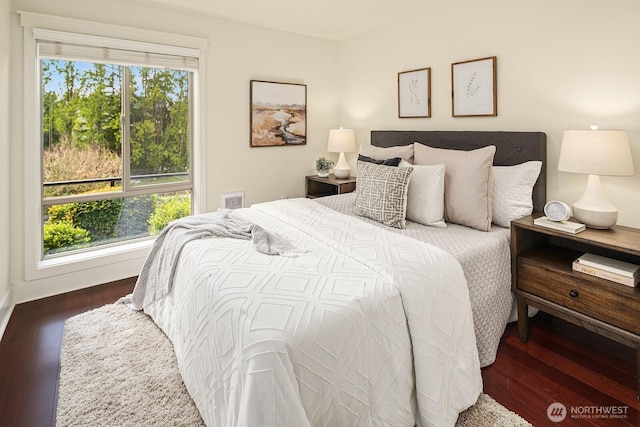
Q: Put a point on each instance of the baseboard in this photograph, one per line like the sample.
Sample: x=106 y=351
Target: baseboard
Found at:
x=55 y=285
x=6 y=308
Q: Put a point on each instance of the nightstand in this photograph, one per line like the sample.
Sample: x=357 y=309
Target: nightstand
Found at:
x=320 y=187
x=542 y=277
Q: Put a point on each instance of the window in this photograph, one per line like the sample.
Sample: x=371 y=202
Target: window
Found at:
x=115 y=150
x=114 y=144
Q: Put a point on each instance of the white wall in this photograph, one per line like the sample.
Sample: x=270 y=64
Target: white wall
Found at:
x=237 y=53
x=5 y=295
x=561 y=65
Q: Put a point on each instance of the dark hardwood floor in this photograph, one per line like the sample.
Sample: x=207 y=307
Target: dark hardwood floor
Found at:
x=30 y=352
x=587 y=373
x=560 y=363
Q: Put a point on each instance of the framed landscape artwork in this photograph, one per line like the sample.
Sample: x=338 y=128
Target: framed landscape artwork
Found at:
x=278 y=114
x=414 y=93
x=474 y=88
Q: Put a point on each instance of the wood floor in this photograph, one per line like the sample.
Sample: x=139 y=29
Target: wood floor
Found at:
x=560 y=363
x=30 y=352
x=566 y=364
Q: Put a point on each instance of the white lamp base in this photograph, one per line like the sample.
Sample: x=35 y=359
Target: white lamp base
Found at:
x=593 y=208
x=342 y=169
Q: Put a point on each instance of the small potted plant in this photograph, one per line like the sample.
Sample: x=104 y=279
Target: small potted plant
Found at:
x=323 y=166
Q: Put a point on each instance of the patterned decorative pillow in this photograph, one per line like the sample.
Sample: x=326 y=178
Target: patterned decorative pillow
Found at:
x=381 y=193
x=425 y=196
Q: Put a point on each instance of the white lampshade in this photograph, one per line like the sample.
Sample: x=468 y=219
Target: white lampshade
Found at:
x=341 y=141
x=595 y=153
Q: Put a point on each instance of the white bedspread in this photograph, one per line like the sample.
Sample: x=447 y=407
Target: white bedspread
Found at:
x=367 y=328
x=485 y=258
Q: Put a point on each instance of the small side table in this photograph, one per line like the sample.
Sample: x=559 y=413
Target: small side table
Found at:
x=329 y=186
x=543 y=277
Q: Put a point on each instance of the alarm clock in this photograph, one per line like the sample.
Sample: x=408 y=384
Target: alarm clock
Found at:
x=557 y=211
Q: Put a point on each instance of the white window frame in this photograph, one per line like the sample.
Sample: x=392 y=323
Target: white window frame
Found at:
x=122 y=37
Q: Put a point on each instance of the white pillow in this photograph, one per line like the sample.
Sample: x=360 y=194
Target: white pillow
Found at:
x=405 y=152
x=425 y=198
x=513 y=190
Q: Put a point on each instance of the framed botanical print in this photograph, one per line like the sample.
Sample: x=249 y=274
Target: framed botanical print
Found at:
x=474 y=88
x=414 y=93
x=278 y=114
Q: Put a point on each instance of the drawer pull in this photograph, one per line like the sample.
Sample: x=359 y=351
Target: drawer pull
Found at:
x=573 y=293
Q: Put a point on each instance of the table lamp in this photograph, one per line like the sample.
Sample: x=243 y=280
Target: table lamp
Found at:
x=341 y=141
x=595 y=152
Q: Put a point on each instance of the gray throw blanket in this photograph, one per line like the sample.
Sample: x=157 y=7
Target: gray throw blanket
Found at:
x=156 y=277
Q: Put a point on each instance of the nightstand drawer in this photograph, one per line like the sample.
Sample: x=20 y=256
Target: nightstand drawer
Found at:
x=609 y=302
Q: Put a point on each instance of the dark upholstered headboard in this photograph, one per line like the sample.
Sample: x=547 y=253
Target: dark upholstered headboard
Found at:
x=512 y=148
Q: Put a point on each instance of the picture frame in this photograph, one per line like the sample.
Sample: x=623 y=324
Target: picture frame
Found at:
x=278 y=114
x=414 y=93
x=474 y=88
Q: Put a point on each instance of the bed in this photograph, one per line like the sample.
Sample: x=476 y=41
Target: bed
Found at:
x=323 y=319
x=485 y=257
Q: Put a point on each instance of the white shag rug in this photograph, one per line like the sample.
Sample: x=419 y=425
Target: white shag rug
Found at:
x=117 y=368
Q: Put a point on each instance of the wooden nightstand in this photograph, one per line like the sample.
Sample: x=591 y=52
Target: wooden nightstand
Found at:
x=320 y=187
x=542 y=277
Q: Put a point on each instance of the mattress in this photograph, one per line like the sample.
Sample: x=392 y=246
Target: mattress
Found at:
x=485 y=258
x=357 y=326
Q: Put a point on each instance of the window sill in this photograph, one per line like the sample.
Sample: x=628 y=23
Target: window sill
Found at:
x=76 y=262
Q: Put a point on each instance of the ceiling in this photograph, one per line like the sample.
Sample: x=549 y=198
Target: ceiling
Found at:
x=327 y=19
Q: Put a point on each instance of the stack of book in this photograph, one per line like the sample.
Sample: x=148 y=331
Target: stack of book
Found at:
x=608 y=268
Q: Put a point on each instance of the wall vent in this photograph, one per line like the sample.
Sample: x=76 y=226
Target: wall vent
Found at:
x=233 y=200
